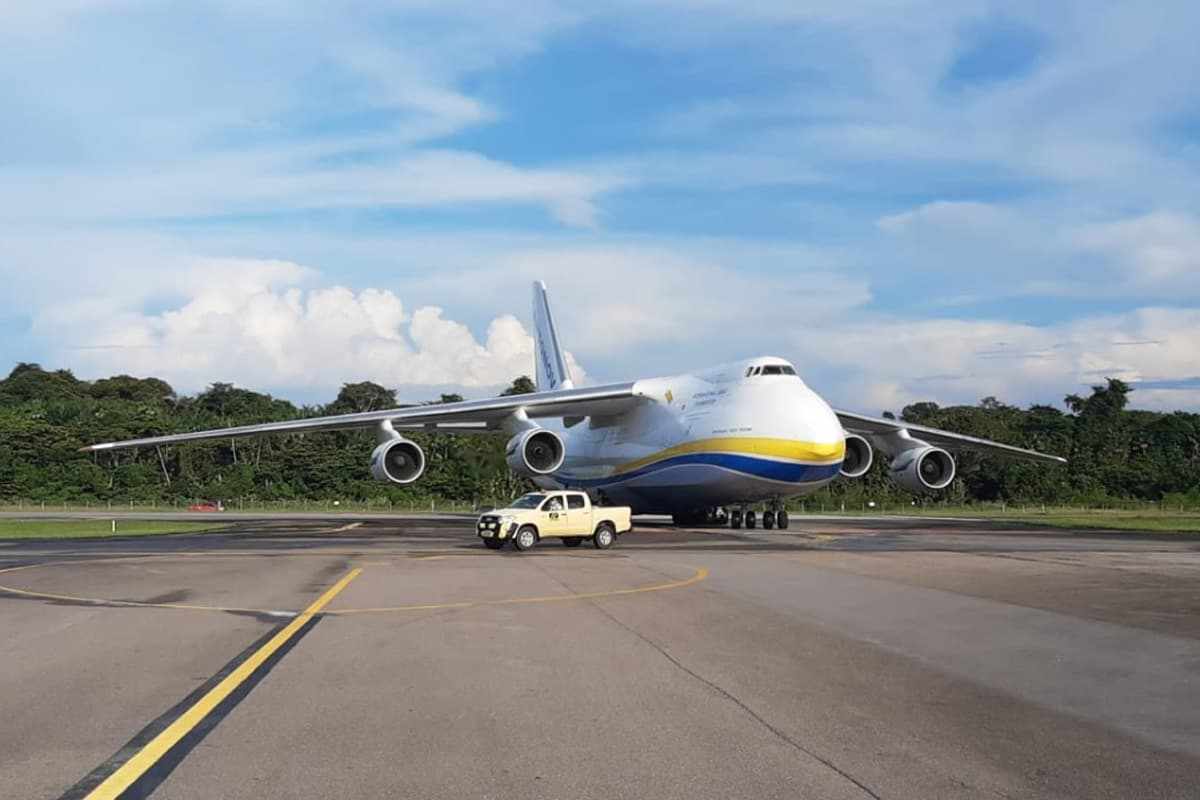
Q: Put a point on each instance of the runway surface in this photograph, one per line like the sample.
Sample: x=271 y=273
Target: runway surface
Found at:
x=399 y=658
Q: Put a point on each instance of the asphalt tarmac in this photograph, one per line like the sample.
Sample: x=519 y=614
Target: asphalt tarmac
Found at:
x=399 y=658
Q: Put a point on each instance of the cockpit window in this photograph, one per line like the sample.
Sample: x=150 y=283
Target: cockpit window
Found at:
x=770 y=369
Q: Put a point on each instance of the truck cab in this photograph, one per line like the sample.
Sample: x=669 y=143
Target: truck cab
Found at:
x=566 y=515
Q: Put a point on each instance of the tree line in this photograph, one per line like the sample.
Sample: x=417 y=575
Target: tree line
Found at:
x=1116 y=454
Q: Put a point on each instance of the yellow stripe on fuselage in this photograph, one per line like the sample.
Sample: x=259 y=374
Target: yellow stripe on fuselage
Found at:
x=768 y=447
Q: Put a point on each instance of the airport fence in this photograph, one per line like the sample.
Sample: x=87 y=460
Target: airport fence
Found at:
x=243 y=505
x=922 y=507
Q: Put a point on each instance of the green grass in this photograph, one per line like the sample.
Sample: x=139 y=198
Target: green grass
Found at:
x=93 y=528
x=1146 y=520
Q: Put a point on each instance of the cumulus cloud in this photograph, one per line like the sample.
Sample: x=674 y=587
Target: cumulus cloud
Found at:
x=248 y=322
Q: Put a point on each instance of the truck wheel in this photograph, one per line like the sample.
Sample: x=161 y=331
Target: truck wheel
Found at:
x=526 y=538
x=493 y=544
x=572 y=541
x=604 y=536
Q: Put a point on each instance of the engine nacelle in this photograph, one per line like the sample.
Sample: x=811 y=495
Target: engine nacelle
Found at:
x=923 y=469
x=536 y=451
x=398 y=461
x=858 y=458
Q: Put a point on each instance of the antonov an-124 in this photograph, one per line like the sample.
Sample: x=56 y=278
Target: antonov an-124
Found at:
x=707 y=446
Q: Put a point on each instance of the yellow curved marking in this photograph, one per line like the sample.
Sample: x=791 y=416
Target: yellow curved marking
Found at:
x=808 y=452
x=700 y=574
x=160 y=745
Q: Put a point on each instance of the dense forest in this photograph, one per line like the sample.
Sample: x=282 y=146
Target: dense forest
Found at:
x=1116 y=454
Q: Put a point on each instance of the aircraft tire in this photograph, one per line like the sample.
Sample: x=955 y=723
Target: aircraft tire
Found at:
x=526 y=538
x=735 y=520
x=493 y=544
x=604 y=536
x=781 y=519
x=750 y=519
x=572 y=541
x=768 y=520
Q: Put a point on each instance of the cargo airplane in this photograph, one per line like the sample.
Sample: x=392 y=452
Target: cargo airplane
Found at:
x=707 y=446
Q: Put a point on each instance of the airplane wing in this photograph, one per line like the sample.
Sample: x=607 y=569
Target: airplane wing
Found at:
x=464 y=417
x=873 y=427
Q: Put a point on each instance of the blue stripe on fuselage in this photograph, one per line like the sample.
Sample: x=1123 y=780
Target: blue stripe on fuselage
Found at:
x=782 y=471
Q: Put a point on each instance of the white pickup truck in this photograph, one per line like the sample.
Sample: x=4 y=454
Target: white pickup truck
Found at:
x=567 y=515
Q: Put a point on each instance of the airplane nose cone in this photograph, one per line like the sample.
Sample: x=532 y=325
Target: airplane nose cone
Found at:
x=801 y=416
x=824 y=423
x=822 y=428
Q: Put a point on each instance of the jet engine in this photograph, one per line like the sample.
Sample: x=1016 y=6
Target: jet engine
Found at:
x=397 y=460
x=922 y=469
x=858 y=458
x=536 y=451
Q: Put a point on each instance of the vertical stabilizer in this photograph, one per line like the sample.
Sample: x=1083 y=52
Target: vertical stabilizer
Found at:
x=551 y=363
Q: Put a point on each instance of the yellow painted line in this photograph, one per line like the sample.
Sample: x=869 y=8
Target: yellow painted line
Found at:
x=158 y=747
x=809 y=452
x=349 y=527
x=700 y=574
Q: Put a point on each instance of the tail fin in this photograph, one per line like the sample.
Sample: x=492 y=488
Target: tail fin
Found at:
x=551 y=363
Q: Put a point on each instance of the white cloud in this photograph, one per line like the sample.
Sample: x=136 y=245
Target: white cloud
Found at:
x=1161 y=249
x=885 y=362
x=1022 y=251
x=960 y=215
x=276 y=181
x=249 y=323
x=639 y=307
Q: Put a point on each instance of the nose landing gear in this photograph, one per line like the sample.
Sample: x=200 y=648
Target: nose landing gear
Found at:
x=701 y=516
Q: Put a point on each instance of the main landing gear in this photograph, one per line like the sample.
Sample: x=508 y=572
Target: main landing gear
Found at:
x=735 y=517
x=774 y=517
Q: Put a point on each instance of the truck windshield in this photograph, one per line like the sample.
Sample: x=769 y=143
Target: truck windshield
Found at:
x=528 y=501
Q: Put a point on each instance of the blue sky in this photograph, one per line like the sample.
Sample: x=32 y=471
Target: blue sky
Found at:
x=911 y=201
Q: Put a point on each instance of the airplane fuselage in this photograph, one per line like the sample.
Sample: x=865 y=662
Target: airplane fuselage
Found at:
x=738 y=433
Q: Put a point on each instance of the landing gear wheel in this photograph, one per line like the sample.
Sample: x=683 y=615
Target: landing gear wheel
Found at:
x=768 y=520
x=526 y=538
x=750 y=519
x=493 y=544
x=604 y=536
x=781 y=519
x=735 y=519
x=572 y=541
